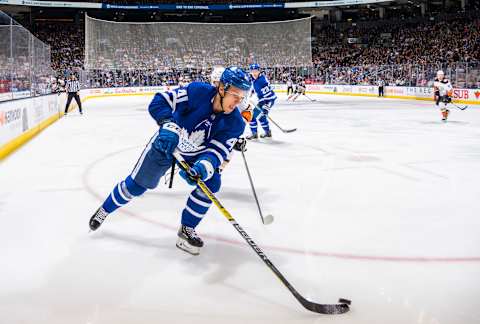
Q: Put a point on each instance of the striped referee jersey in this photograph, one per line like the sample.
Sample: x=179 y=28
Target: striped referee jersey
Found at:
x=73 y=86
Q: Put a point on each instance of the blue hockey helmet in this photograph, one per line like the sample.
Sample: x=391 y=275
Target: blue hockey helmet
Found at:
x=235 y=76
x=254 y=66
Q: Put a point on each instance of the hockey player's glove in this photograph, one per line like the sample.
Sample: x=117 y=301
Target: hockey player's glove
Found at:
x=247 y=115
x=258 y=110
x=266 y=108
x=446 y=99
x=167 y=138
x=202 y=169
x=265 y=111
x=240 y=145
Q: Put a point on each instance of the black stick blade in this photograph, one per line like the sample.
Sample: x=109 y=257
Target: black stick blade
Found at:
x=290 y=130
x=328 y=309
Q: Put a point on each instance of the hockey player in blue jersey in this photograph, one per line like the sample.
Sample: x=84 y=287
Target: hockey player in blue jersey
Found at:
x=266 y=99
x=201 y=122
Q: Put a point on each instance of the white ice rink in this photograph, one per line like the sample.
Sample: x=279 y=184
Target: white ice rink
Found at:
x=375 y=200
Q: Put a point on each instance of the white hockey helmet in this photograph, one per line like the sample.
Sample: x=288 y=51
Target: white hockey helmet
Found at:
x=216 y=74
x=440 y=73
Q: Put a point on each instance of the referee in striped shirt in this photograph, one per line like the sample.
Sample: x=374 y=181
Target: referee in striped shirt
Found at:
x=72 y=86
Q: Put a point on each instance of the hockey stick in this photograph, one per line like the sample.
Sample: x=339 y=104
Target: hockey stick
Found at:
x=340 y=308
x=279 y=127
x=268 y=219
x=171 y=175
x=461 y=108
x=310 y=98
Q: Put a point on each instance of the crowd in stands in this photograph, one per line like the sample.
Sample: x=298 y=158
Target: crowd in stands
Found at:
x=404 y=52
x=29 y=70
x=401 y=42
x=151 y=46
x=398 y=52
x=66 y=42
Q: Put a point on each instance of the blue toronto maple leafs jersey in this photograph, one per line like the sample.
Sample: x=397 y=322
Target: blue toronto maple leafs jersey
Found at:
x=263 y=89
x=203 y=133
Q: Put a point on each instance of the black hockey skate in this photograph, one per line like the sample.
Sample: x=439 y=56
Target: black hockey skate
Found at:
x=253 y=136
x=97 y=219
x=267 y=135
x=188 y=240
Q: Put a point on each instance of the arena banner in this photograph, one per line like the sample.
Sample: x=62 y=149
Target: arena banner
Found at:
x=469 y=96
x=87 y=94
x=53 y=4
x=333 y=3
x=179 y=6
x=426 y=93
x=21 y=94
x=14 y=95
x=4 y=96
x=279 y=87
x=182 y=6
x=20 y=120
x=361 y=90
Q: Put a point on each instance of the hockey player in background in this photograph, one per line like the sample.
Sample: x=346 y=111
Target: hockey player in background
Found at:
x=300 y=89
x=442 y=94
x=266 y=99
x=203 y=124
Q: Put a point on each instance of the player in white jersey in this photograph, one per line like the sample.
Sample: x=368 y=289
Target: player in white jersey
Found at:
x=442 y=94
x=300 y=88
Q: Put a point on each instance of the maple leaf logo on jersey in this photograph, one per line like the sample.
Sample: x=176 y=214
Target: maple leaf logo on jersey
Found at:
x=191 y=142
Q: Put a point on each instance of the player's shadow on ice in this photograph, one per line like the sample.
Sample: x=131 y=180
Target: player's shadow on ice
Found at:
x=220 y=259
x=219 y=251
x=246 y=195
x=439 y=122
x=271 y=142
x=227 y=193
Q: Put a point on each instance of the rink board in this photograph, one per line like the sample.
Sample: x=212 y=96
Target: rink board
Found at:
x=21 y=120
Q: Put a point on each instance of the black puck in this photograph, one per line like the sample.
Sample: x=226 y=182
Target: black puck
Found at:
x=344 y=301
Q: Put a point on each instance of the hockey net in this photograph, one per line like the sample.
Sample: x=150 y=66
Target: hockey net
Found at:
x=157 y=45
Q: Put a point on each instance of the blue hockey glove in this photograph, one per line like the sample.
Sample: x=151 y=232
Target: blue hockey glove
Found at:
x=261 y=109
x=266 y=108
x=167 y=139
x=202 y=169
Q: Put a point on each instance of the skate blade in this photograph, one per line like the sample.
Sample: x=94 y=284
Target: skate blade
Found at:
x=184 y=246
